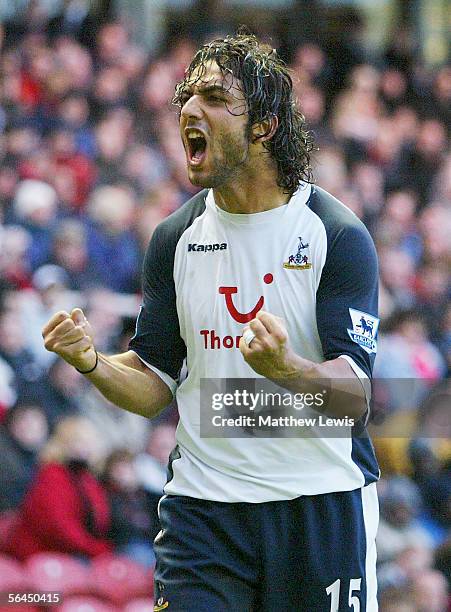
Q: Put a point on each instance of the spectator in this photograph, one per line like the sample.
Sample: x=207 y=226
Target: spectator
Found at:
x=66 y=508
x=111 y=238
x=408 y=352
x=152 y=464
x=434 y=482
x=119 y=428
x=82 y=107
x=134 y=519
x=36 y=207
x=433 y=418
x=22 y=436
x=404 y=569
x=8 y=395
x=430 y=592
x=73 y=111
x=397 y=272
x=62 y=396
x=434 y=222
x=398 y=527
x=14 y=265
x=70 y=253
x=66 y=160
x=397 y=600
x=28 y=373
x=445 y=337
x=397 y=224
x=358 y=109
x=417 y=163
x=443 y=560
x=49 y=292
x=393 y=88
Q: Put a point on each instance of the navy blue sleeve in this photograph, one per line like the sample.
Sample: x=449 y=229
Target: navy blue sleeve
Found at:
x=347 y=296
x=157 y=338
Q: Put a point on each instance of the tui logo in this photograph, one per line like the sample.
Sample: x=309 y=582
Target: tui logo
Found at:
x=243 y=317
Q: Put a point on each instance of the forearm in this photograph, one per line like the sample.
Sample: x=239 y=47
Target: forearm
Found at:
x=345 y=393
x=125 y=381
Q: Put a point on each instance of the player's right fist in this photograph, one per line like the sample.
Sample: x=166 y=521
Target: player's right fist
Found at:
x=70 y=336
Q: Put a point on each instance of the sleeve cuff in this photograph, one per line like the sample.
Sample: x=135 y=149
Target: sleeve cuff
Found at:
x=168 y=380
x=364 y=380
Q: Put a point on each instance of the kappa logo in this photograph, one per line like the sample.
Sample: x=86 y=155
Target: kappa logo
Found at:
x=206 y=248
x=300 y=261
x=364 y=330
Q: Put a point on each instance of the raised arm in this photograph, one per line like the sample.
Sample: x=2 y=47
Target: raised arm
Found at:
x=346 y=313
x=143 y=379
x=123 y=379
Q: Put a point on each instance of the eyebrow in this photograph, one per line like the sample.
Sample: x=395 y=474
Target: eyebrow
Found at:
x=210 y=89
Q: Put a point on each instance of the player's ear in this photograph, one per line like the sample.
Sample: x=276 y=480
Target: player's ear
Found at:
x=265 y=130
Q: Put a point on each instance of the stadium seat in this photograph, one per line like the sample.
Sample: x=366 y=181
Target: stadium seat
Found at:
x=59 y=573
x=140 y=605
x=12 y=575
x=120 y=580
x=85 y=604
x=19 y=608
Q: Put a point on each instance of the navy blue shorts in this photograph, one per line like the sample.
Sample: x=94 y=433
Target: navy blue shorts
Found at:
x=310 y=554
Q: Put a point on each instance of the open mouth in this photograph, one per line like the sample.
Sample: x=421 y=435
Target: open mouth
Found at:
x=197 y=145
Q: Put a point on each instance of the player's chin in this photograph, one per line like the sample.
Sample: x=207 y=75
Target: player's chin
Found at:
x=200 y=178
x=195 y=178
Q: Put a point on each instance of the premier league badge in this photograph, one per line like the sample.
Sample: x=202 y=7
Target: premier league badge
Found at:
x=364 y=330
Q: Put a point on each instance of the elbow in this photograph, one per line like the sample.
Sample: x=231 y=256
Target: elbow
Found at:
x=357 y=410
x=151 y=409
x=343 y=405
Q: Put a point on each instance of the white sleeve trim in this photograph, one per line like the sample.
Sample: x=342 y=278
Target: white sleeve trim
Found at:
x=168 y=380
x=365 y=381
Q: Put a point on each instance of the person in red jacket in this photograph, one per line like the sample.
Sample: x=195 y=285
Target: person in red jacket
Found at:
x=66 y=508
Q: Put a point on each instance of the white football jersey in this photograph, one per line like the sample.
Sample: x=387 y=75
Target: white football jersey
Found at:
x=207 y=273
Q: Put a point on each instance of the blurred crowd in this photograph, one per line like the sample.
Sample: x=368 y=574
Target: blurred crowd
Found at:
x=91 y=162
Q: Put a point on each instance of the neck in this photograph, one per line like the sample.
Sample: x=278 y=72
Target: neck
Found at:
x=252 y=191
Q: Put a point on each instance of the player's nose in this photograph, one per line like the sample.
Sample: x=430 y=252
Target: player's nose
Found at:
x=192 y=109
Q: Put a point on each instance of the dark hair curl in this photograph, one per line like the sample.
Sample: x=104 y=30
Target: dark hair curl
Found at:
x=268 y=91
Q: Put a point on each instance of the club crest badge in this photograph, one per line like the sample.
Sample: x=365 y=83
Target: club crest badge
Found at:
x=364 y=330
x=301 y=260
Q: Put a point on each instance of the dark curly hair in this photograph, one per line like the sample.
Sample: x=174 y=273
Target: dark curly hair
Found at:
x=268 y=91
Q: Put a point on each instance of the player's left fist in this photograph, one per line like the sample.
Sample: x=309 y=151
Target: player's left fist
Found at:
x=265 y=347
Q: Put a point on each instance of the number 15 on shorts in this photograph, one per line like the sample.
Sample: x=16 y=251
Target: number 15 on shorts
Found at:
x=334 y=591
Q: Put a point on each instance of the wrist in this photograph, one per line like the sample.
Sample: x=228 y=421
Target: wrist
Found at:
x=294 y=366
x=296 y=372
x=89 y=370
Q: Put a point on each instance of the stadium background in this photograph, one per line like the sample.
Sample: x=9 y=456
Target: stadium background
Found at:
x=91 y=161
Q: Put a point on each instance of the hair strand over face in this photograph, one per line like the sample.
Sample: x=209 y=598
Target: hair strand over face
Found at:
x=268 y=91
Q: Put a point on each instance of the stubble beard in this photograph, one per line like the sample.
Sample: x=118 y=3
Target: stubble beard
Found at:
x=229 y=164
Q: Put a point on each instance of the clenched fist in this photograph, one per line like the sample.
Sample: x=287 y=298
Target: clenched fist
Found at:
x=267 y=349
x=70 y=336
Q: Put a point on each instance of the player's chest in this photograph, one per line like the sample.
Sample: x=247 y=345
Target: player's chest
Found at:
x=223 y=278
